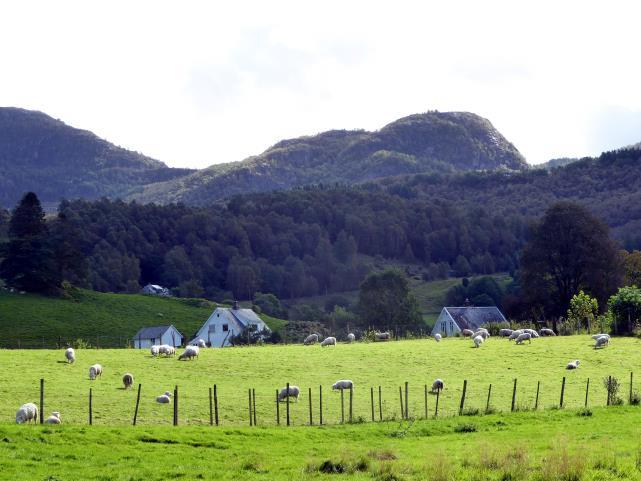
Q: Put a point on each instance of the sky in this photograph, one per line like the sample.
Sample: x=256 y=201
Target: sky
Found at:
x=199 y=83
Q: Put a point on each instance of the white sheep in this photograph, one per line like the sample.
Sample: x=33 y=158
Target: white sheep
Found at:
x=155 y=350
x=351 y=337
x=54 y=418
x=438 y=385
x=546 y=332
x=382 y=336
x=294 y=392
x=190 y=353
x=505 y=332
x=342 y=384
x=515 y=334
x=128 y=380
x=601 y=341
x=526 y=336
x=70 y=354
x=483 y=333
x=596 y=336
x=28 y=412
x=437 y=337
x=531 y=332
x=164 y=398
x=201 y=343
x=467 y=333
x=311 y=339
x=329 y=341
x=573 y=364
x=478 y=340
x=167 y=350
x=95 y=371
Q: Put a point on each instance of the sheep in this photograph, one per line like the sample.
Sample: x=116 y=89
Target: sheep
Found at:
x=155 y=350
x=573 y=364
x=128 y=380
x=70 y=354
x=164 y=398
x=482 y=329
x=190 y=352
x=294 y=392
x=342 y=384
x=200 y=343
x=311 y=339
x=28 y=412
x=438 y=385
x=531 y=332
x=526 y=336
x=351 y=337
x=596 y=336
x=382 y=336
x=54 y=418
x=601 y=341
x=329 y=341
x=505 y=332
x=515 y=334
x=467 y=333
x=483 y=333
x=547 y=332
x=478 y=340
x=167 y=350
x=437 y=337
x=95 y=371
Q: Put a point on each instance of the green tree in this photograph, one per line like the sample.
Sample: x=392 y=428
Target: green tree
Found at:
x=632 y=267
x=583 y=309
x=28 y=262
x=270 y=305
x=385 y=302
x=625 y=307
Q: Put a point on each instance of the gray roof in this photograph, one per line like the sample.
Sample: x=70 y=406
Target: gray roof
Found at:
x=244 y=316
x=474 y=317
x=153 y=332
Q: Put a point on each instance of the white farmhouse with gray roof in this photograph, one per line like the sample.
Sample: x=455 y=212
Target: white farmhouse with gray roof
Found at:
x=148 y=336
x=226 y=322
x=454 y=319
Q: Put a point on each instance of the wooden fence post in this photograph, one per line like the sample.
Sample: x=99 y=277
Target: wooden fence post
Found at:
x=342 y=406
x=562 y=393
x=380 y=404
x=311 y=420
x=514 y=396
x=371 y=392
x=90 y=407
x=320 y=404
x=407 y=395
x=42 y=400
x=251 y=418
x=487 y=404
x=137 y=404
x=254 y=403
x=176 y=406
x=400 y=395
x=287 y=398
x=211 y=409
x=462 y=405
x=425 y=395
x=587 y=390
x=351 y=399
x=216 y=404
x=277 y=409
x=538 y=387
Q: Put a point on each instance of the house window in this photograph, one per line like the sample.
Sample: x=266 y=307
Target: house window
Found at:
x=451 y=326
x=225 y=327
x=443 y=326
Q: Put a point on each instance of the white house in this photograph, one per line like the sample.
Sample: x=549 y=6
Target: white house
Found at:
x=455 y=319
x=148 y=336
x=155 y=290
x=226 y=322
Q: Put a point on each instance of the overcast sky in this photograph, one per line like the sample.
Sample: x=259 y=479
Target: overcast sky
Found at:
x=199 y=83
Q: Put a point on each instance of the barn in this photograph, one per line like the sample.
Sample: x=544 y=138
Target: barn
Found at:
x=148 y=336
x=454 y=319
x=226 y=322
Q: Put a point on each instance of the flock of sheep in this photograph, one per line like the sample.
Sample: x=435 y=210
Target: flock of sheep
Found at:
x=351 y=337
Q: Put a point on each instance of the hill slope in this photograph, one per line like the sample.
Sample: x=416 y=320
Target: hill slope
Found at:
x=44 y=155
x=429 y=142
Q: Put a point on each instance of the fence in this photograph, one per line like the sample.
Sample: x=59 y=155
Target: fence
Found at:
x=41 y=342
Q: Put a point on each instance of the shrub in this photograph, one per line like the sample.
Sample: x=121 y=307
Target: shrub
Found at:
x=613 y=386
x=636 y=398
x=465 y=428
x=560 y=465
x=587 y=412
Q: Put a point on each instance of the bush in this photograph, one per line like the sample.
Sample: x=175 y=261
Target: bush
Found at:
x=613 y=386
x=465 y=428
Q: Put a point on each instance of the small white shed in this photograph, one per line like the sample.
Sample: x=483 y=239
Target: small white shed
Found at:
x=226 y=322
x=455 y=319
x=148 y=336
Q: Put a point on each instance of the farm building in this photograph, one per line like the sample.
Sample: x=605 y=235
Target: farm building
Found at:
x=455 y=319
x=226 y=322
x=148 y=336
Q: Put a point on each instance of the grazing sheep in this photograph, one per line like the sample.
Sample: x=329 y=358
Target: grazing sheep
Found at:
x=28 y=412
x=531 y=332
x=311 y=339
x=382 y=336
x=573 y=364
x=164 y=398
x=54 y=418
x=526 y=336
x=128 y=380
x=190 y=352
x=70 y=354
x=546 y=332
x=155 y=350
x=478 y=340
x=329 y=341
x=342 y=384
x=294 y=392
x=437 y=337
x=167 y=350
x=601 y=341
x=467 y=333
x=438 y=385
x=201 y=343
x=95 y=371
x=505 y=332
x=351 y=337
x=596 y=336
x=515 y=334
x=483 y=333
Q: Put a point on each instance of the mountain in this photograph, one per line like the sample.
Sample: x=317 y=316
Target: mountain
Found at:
x=429 y=142
x=554 y=163
x=44 y=155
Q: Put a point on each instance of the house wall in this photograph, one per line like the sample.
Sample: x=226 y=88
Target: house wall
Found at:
x=445 y=325
x=171 y=337
x=213 y=331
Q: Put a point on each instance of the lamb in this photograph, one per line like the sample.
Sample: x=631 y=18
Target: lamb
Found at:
x=330 y=341
x=95 y=371
x=515 y=334
x=294 y=392
x=167 y=350
x=70 y=354
x=526 y=336
x=342 y=384
x=505 y=332
x=190 y=352
x=546 y=332
x=128 y=380
x=54 y=418
x=467 y=333
x=155 y=350
x=437 y=337
x=601 y=341
x=164 y=398
x=311 y=339
x=351 y=337
x=438 y=385
x=478 y=340
x=382 y=336
x=28 y=412
x=573 y=364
